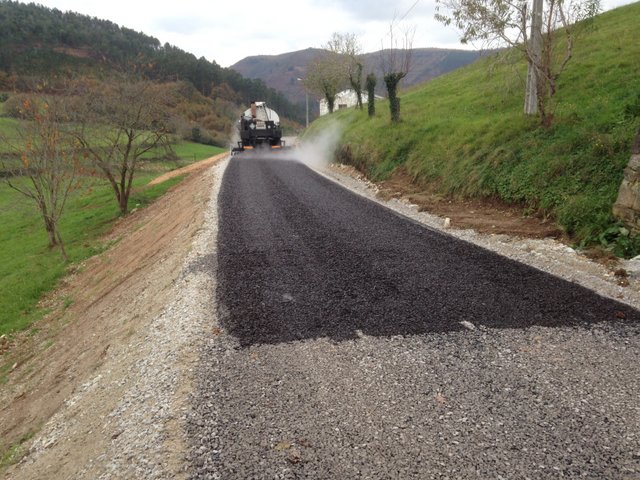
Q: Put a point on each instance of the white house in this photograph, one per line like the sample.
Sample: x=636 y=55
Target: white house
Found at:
x=344 y=99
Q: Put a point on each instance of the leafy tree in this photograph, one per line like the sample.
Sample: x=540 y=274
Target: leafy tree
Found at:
x=535 y=32
x=38 y=41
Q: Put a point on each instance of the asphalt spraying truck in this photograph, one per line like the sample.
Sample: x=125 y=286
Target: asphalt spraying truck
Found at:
x=259 y=127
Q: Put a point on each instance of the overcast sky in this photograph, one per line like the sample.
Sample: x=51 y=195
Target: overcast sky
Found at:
x=229 y=30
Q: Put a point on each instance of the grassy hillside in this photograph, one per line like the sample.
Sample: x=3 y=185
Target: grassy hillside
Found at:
x=464 y=134
x=28 y=268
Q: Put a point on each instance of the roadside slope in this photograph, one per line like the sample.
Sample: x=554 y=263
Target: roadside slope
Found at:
x=96 y=350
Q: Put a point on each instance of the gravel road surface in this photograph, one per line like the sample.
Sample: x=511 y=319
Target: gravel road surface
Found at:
x=352 y=342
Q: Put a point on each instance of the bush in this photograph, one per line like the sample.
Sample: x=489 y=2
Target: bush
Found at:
x=196 y=135
x=616 y=239
x=13 y=105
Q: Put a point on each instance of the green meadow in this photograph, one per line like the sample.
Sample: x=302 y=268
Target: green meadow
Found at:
x=29 y=269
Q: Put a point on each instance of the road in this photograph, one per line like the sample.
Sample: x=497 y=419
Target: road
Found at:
x=356 y=343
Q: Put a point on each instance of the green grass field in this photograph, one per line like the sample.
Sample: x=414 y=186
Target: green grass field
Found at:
x=7 y=132
x=28 y=269
x=189 y=151
x=464 y=134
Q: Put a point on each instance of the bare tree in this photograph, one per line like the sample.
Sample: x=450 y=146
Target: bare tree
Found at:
x=535 y=31
x=396 y=62
x=46 y=165
x=325 y=76
x=339 y=65
x=118 y=124
x=349 y=57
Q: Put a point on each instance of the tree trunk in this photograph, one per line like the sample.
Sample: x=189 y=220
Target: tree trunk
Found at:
x=127 y=193
x=49 y=225
x=356 y=84
x=371 y=94
x=51 y=231
x=123 y=202
x=331 y=100
x=63 y=251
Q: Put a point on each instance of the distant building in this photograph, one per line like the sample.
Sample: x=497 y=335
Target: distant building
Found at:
x=344 y=99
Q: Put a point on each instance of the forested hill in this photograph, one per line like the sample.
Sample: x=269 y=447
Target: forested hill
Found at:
x=43 y=42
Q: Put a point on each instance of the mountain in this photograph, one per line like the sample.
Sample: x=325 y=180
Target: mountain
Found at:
x=281 y=72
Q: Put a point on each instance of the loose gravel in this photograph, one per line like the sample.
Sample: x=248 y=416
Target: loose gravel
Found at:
x=157 y=398
x=473 y=400
x=539 y=403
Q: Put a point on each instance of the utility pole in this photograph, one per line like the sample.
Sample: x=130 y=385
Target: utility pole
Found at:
x=535 y=52
x=306 y=93
x=307 y=99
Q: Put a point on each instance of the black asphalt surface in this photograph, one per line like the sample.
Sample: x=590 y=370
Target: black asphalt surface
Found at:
x=301 y=257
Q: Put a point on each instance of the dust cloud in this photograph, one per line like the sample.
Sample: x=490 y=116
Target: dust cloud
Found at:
x=235 y=138
x=317 y=151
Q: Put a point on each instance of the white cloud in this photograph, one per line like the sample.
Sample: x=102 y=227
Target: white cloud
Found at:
x=382 y=10
x=181 y=25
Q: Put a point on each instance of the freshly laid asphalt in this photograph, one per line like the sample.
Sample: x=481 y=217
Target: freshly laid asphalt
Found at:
x=300 y=257
x=343 y=355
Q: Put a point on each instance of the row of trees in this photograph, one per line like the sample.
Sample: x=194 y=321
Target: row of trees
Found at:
x=341 y=65
x=544 y=32
x=95 y=129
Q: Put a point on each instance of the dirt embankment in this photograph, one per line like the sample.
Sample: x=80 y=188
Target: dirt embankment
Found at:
x=114 y=296
x=482 y=215
x=193 y=168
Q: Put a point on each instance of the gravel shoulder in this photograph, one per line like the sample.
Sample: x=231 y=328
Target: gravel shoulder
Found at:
x=549 y=255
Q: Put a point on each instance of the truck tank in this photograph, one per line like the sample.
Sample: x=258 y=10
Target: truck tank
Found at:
x=259 y=126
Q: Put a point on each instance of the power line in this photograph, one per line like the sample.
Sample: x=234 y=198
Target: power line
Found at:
x=409 y=11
